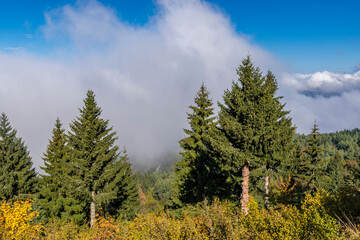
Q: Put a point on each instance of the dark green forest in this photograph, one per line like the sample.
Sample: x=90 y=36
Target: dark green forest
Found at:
x=246 y=160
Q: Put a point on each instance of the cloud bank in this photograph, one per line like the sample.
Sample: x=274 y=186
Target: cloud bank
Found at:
x=145 y=77
x=325 y=84
x=329 y=98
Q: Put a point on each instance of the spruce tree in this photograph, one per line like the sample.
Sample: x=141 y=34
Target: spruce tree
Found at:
x=310 y=171
x=290 y=168
x=197 y=172
x=102 y=175
x=17 y=175
x=53 y=195
x=336 y=170
x=277 y=133
x=257 y=130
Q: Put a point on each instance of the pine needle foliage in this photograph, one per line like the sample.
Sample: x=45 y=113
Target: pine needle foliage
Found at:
x=101 y=173
x=311 y=169
x=53 y=197
x=336 y=170
x=257 y=130
x=197 y=172
x=17 y=175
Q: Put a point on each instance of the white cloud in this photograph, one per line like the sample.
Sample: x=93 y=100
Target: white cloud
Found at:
x=325 y=84
x=356 y=68
x=330 y=98
x=144 y=77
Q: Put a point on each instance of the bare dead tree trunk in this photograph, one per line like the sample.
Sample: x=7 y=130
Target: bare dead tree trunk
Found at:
x=267 y=191
x=245 y=189
x=92 y=209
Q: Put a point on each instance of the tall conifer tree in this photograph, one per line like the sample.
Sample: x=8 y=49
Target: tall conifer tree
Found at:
x=336 y=170
x=101 y=174
x=53 y=196
x=197 y=172
x=17 y=175
x=256 y=127
x=311 y=168
x=276 y=145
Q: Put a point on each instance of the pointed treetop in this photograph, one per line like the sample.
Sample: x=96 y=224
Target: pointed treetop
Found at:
x=4 y=124
x=249 y=76
x=3 y=116
x=90 y=96
x=58 y=123
x=90 y=108
x=315 y=129
x=90 y=99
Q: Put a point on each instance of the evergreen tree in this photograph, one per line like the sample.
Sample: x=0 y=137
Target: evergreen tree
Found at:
x=275 y=131
x=257 y=130
x=53 y=196
x=347 y=142
x=310 y=171
x=101 y=175
x=290 y=170
x=17 y=176
x=197 y=172
x=336 y=170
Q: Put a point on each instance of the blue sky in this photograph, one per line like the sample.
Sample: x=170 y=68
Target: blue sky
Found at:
x=308 y=35
x=146 y=60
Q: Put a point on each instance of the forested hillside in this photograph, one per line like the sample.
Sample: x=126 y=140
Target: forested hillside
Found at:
x=241 y=174
x=347 y=142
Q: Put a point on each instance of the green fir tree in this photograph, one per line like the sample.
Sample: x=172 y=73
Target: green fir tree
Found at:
x=311 y=168
x=336 y=170
x=102 y=175
x=54 y=200
x=290 y=170
x=197 y=173
x=17 y=175
x=257 y=130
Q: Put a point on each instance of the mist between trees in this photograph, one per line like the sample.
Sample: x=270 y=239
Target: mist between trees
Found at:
x=246 y=159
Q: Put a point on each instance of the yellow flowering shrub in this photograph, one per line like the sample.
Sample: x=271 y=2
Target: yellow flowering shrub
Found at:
x=222 y=221
x=153 y=226
x=219 y=220
x=15 y=220
x=56 y=229
x=316 y=222
x=280 y=223
x=203 y=221
x=213 y=221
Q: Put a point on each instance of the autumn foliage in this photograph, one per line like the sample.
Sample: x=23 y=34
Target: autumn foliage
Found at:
x=216 y=220
x=16 y=220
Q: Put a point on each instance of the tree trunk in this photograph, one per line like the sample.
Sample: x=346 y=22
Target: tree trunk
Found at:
x=245 y=189
x=266 y=191
x=92 y=209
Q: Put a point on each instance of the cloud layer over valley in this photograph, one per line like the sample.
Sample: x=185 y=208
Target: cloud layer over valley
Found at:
x=326 y=84
x=145 y=77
